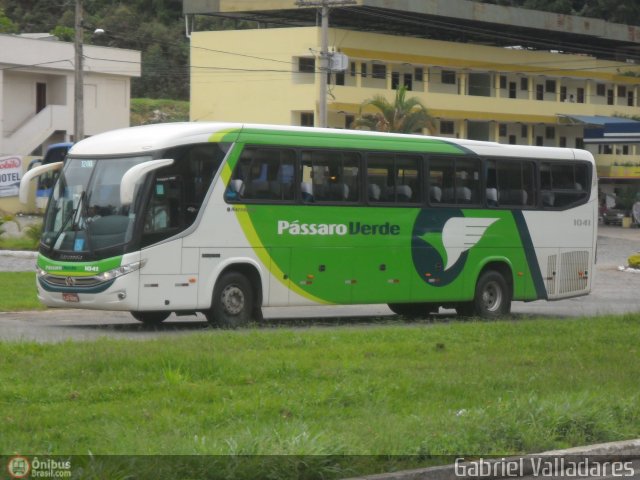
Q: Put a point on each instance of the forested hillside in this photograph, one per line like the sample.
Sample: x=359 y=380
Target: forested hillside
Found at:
x=156 y=28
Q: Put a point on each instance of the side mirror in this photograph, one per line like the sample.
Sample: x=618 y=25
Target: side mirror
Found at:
x=134 y=174
x=33 y=173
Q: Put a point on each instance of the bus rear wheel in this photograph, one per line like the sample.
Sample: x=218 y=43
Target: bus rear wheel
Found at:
x=232 y=305
x=492 y=297
x=413 y=309
x=151 y=318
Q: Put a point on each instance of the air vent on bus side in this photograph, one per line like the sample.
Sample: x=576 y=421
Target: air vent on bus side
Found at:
x=574 y=272
x=568 y=274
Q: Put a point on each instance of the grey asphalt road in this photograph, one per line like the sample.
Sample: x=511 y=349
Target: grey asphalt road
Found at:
x=614 y=292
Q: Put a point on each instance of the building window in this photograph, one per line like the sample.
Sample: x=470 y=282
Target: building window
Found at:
x=378 y=71
x=448 y=77
x=306 y=119
x=539 y=141
x=563 y=94
x=408 y=81
x=503 y=81
x=524 y=131
x=550 y=86
x=563 y=142
x=363 y=68
x=419 y=74
x=601 y=89
x=549 y=133
x=307 y=65
x=348 y=121
x=512 y=139
x=447 y=127
x=524 y=84
x=352 y=69
x=539 y=92
x=395 y=80
x=580 y=92
x=512 y=90
x=339 y=78
x=502 y=129
x=622 y=91
x=610 y=97
x=630 y=98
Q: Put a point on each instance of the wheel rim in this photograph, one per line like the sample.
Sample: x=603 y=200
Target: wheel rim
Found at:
x=492 y=296
x=233 y=300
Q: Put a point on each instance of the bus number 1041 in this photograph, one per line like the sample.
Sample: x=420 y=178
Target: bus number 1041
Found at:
x=578 y=222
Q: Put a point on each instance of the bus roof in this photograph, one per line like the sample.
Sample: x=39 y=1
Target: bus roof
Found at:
x=148 y=138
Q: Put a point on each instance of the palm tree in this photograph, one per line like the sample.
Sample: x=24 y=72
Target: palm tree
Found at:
x=404 y=115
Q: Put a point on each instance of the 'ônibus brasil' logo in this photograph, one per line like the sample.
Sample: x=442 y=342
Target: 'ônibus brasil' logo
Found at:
x=352 y=228
x=441 y=242
x=18 y=467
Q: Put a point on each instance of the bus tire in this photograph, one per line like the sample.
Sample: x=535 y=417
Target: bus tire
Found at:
x=492 y=297
x=232 y=305
x=413 y=309
x=151 y=318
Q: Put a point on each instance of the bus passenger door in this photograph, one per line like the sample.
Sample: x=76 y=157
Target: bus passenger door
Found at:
x=322 y=275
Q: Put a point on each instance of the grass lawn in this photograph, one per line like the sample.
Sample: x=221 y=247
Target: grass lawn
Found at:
x=473 y=388
x=18 y=292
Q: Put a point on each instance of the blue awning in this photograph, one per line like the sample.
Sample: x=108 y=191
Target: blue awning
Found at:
x=602 y=129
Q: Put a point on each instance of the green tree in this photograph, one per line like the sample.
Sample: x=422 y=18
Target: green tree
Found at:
x=6 y=25
x=404 y=115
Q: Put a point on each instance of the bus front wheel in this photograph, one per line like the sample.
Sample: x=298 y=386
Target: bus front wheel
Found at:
x=232 y=303
x=492 y=297
x=151 y=318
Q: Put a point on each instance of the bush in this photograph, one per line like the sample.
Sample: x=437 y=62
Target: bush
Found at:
x=634 y=260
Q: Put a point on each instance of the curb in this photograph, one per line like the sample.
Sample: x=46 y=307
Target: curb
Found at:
x=604 y=452
x=18 y=254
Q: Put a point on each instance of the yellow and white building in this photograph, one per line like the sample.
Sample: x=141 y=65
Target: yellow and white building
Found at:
x=508 y=95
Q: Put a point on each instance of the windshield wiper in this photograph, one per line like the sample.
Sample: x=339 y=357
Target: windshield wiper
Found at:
x=72 y=216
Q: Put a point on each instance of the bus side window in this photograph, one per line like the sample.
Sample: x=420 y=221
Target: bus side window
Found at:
x=564 y=184
x=164 y=206
x=329 y=176
x=468 y=181
x=393 y=178
x=510 y=183
x=262 y=174
x=407 y=179
x=441 y=180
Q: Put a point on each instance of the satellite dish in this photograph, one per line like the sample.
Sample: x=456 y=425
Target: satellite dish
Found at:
x=635 y=211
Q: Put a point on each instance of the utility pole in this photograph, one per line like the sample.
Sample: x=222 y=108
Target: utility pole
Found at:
x=324 y=69
x=78 y=110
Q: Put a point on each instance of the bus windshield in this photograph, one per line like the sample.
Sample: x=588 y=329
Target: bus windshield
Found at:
x=85 y=214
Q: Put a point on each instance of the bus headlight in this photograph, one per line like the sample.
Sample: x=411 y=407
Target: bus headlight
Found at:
x=121 y=270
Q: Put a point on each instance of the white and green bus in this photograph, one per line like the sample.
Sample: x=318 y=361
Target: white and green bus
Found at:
x=224 y=219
